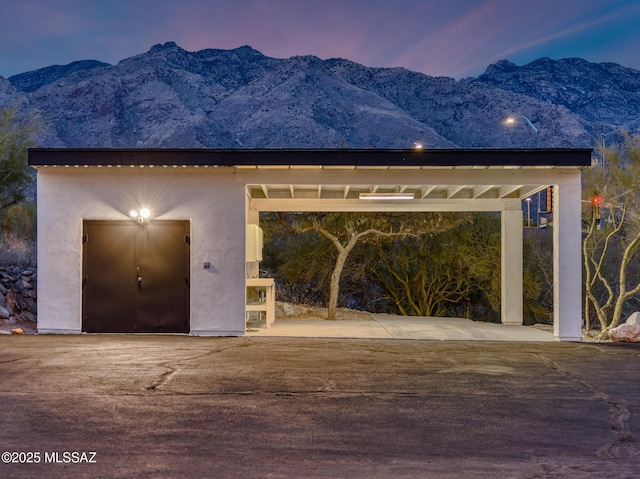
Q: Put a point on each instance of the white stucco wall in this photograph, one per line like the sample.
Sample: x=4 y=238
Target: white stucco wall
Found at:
x=208 y=197
x=214 y=201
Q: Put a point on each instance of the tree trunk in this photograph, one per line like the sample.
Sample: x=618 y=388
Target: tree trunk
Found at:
x=343 y=254
x=586 y=257
x=334 y=288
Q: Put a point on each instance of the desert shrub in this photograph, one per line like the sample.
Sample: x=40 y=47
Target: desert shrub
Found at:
x=18 y=242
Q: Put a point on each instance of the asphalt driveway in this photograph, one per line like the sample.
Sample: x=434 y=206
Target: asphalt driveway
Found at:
x=176 y=406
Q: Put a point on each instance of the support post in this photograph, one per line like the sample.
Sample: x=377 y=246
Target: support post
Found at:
x=252 y=216
x=511 y=310
x=567 y=266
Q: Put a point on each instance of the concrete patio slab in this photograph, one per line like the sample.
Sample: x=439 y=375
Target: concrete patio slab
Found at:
x=386 y=326
x=322 y=329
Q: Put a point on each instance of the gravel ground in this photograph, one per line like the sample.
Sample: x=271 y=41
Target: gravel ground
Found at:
x=8 y=327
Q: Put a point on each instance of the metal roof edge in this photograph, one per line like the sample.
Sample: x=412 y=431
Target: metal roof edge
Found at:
x=560 y=157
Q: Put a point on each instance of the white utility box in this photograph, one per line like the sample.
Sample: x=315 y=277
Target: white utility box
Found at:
x=253 y=243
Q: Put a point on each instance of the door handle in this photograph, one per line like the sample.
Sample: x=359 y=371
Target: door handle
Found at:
x=138 y=277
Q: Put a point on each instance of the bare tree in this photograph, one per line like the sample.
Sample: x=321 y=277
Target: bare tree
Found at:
x=612 y=239
x=437 y=275
x=346 y=230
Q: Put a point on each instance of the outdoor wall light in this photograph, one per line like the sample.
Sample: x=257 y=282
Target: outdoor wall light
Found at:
x=387 y=196
x=141 y=215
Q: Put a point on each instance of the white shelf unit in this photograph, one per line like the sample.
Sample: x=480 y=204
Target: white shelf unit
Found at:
x=261 y=296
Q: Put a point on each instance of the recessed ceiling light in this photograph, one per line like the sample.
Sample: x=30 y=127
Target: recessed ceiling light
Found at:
x=386 y=196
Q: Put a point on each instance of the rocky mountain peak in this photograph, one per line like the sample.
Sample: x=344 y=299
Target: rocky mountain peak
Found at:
x=500 y=66
x=159 y=47
x=170 y=97
x=31 y=81
x=605 y=94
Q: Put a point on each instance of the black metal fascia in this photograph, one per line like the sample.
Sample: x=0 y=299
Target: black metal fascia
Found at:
x=485 y=157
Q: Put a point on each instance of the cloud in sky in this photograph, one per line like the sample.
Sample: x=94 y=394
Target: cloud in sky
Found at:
x=454 y=38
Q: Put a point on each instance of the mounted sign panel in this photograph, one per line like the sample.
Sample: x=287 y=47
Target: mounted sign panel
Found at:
x=135 y=277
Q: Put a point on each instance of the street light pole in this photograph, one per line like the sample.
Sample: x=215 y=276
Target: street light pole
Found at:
x=512 y=120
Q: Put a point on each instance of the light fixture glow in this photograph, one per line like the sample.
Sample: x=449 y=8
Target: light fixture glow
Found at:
x=386 y=196
x=511 y=120
x=141 y=215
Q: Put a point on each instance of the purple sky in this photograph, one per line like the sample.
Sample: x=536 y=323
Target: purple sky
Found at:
x=455 y=38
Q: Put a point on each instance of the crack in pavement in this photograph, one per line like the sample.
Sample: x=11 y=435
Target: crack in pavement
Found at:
x=12 y=360
x=165 y=377
x=282 y=393
x=623 y=445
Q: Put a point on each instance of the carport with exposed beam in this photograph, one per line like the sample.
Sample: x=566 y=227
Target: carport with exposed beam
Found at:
x=446 y=180
x=348 y=180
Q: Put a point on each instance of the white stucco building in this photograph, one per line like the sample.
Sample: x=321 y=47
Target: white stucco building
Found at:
x=97 y=265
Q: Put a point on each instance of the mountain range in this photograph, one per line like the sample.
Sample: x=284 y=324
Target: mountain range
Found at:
x=240 y=98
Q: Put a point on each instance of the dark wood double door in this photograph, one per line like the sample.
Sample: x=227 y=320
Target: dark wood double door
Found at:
x=135 y=277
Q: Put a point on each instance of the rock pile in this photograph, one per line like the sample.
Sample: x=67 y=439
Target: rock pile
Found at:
x=18 y=294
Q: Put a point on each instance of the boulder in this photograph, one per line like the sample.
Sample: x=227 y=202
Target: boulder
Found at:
x=629 y=331
x=300 y=309
x=287 y=309
x=28 y=316
x=31 y=304
x=14 y=299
